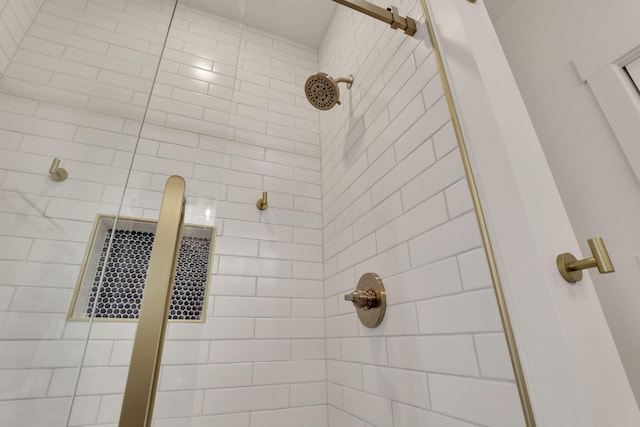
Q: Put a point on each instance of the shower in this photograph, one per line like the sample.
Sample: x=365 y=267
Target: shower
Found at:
x=322 y=90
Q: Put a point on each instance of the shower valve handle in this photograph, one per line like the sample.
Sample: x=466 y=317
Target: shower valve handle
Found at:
x=362 y=298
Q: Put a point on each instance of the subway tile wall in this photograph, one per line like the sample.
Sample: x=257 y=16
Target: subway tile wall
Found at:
x=16 y=17
x=395 y=202
x=227 y=113
x=280 y=347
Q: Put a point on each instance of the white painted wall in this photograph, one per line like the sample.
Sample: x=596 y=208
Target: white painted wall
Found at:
x=396 y=202
x=597 y=185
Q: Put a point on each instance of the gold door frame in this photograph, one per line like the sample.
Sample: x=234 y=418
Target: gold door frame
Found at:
x=144 y=369
x=518 y=371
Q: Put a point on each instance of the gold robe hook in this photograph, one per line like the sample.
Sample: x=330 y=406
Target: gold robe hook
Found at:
x=56 y=172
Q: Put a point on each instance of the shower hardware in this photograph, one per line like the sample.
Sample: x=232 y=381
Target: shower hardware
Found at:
x=571 y=269
x=370 y=300
x=56 y=172
x=262 y=203
x=322 y=90
x=389 y=15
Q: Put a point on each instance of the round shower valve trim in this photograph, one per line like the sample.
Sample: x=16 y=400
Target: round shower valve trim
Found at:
x=370 y=300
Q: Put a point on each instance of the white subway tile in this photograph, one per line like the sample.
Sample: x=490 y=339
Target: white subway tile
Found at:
x=309 y=394
x=234 y=351
x=246 y=399
x=55 y=64
x=308 y=349
x=100 y=380
x=254 y=267
x=446 y=354
x=289 y=328
x=14 y=248
x=292 y=288
x=41 y=300
x=313 y=416
x=388 y=263
x=365 y=350
x=474 y=270
x=423 y=217
x=467 y=312
x=404 y=415
x=346 y=325
x=372 y=409
x=307 y=270
x=260 y=231
x=340 y=418
x=33 y=412
x=84 y=410
x=296 y=371
x=251 y=307
x=343 y=373
x=290 y=251
x=24 y=383
x=233 y=285
x=430 y=281
x=397 y=384
x=307 y=308
x=493 y=356
x=485 y=402
x=454 y=237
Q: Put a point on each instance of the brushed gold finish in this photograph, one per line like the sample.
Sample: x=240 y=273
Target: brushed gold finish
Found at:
x=389 y=16
x=571 y=268
x=56 y=172
x=518 y=371
x=262 y=203
x=370 y=300
x=144 y=369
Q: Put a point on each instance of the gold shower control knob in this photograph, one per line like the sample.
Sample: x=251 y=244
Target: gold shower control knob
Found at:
x=370 y=300
x=571 y=268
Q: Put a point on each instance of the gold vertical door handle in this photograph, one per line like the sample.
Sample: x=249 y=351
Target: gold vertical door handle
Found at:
x=571 y=268
x=144 y=369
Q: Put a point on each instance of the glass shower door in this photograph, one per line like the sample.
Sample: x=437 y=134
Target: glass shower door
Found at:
x=75 y=81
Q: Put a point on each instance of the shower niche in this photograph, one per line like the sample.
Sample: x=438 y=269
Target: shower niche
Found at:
x=113 y=275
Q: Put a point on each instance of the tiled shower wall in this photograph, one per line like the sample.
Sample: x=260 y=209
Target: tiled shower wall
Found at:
x=395 y=202
x=76 y=89
x=16 y=17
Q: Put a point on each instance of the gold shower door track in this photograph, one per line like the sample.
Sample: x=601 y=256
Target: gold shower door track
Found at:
x=144 y=370
x=389 y=16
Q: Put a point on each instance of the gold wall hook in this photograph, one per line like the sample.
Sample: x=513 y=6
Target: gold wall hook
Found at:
x=262 y=203
x=571 y=268
x=56 y=172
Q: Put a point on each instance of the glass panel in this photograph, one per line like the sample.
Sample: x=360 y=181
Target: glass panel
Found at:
x=384 y=193
x=75 y=80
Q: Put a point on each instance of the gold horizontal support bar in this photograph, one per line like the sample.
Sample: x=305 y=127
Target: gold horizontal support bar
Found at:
x=389 y=16
x=144 y=370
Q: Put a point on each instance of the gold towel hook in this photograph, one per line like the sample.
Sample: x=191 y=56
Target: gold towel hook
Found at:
x=571 y=268
x=262 y=203
x=56 y=172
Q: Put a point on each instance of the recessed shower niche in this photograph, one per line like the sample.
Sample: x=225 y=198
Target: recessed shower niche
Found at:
x=114 y=271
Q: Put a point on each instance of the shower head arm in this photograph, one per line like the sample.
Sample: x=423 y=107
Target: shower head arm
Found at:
x=347 y=80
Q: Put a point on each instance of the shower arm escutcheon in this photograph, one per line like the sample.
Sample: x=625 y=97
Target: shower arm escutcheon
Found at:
x=571 y=268
x=389 y=15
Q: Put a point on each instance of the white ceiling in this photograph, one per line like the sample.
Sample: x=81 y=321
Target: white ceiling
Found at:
x=302 y=21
